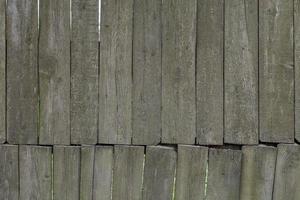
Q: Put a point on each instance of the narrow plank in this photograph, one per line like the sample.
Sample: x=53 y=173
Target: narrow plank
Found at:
x=224 y=170
x=22 y=79
x=54 y=72
x=146 y=105
x=258 y=170
x=276 y=79
x=191 y=172
x=115 y=83
x=35 y=172
x=2 y=71
x=297 y=67
x=210 y=34
x=128 y=172
x=159 y=173
x=241 y=72
x=178 y=71
x=86 y=172
x=84 y=72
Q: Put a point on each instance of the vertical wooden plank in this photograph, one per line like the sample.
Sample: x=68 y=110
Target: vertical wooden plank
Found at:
x=297 y=67
x=159 y=173
x=9 y=172
x=128 y=172
x=276 y=71
x=2 y=71
x=224 y=170
x=54 y=72
x=210 y=33
x=86 y=172
x=258 y=170
x=35 y=172
x=84 y=72
x=178 y=71
x=115 y=81
x=22 y=79
x=241 y=72
x=146 y=122
x=191 y=172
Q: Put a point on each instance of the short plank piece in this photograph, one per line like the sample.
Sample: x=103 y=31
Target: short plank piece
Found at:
x=115 y=83
x=128 y=172
x=297 y=67
x=2 y=71
x=22 y=79
x=86 y=172
x=146 y=105
x=35 y=172
x=258 y=170
x=178 y=71
x=210 y=33
x=276 y=71
x=224 y=169
x=54 y=72
x=159 y=173
x=191 y=172
x=84 y=72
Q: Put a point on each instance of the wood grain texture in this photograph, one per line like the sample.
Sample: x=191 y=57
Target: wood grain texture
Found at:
x=297 y=67
x=84 y=72
x=22 y=74
x=86 y=172
x=2 y=71
x=178 y=71
x=276 y=71
x=146 y=105
x=115 y=83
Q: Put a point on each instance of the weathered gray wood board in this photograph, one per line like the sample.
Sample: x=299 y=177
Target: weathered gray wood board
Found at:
x=258 y=170
x=146 y=87
x=86 y=172
x=9 y=172
x=115 y=83
x=178 y=71
x=297 y=67
x=35 y=172
x=224 y=169
x=54 y=72
x=276 y=71
x=84 y=72
x=159 y=173
x=241 y=72
x=209 y=74
x=128 y=172
x=2 y=71
x=22 y=79
x=191 y=172
x=66 y=170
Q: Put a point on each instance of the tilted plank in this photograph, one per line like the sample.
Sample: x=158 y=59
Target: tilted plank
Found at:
x=297 y=67
x=86 y=172
x=2 y=71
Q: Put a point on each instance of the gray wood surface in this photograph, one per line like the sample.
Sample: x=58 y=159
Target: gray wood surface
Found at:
x=2 y=71
x=178 y=71
x=276 y=71
x=115 y=83
x=297 y=67
x=210 y=30
x=22 y=79
x=146 y=87
x=86 y=172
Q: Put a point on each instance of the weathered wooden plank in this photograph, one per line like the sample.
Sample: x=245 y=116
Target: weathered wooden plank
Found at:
x=210 y=34
x=86 y=172
x=54 y=72
x=84 y=72
x=276 y=71
x=115 y=83
x=178 y=71
x=9 y=172
x=258 y=169
x=297 y=67
x=191 y=172
x=224 y=169
x=66 y=170
x=241 y=72
x=128 y=172
x=22 y=79
x=146 y=105
x=35 y=172
x=159 y=173
x=2 y=71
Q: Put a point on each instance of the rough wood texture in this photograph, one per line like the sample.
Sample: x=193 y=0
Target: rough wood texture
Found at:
x=276 y=79
x=84 y=72
x=191 y=172
x=258 y=169
x=22 y=79
x=241 y=72
x=178 y=71
x=86 y=172
x=146 y=105
x=115 y=91
x=297 y=67
x=2 y=71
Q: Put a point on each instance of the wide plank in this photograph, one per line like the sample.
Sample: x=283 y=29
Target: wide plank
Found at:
x=2 y=71
x=297 y=67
